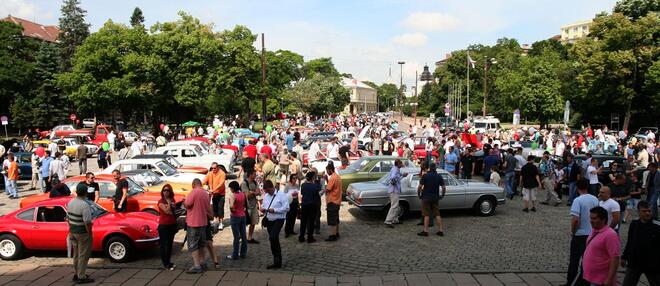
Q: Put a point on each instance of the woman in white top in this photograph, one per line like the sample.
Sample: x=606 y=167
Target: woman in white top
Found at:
x=592 y=175
x=291 y=189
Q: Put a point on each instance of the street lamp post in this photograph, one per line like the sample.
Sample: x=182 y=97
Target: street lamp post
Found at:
x=399 y=103
x=486 y=65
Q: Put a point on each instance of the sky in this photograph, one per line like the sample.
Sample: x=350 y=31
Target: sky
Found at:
x=365 y=38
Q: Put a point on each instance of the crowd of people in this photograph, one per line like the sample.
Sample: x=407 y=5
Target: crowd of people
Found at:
x=274 y=190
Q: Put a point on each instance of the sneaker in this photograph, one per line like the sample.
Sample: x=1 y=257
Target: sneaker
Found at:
x=217 y=265
x=254 y=241
x=331 y=238
x=423 y=233
x=172 y=267
x=440 y=233
x=195 y=270
x=231 y=257
x=221 y=226
x=389 y=225
x=534 y=209
x=526 y=210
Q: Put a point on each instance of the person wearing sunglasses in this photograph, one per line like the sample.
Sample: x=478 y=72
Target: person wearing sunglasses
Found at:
x=167 y=227
x=93 y=191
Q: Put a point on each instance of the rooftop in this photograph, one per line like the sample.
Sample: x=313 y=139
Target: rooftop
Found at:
x=35 y=30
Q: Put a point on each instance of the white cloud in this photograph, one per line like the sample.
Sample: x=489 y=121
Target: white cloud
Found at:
x=18 y=8
x=430 y=21
x=412 y=40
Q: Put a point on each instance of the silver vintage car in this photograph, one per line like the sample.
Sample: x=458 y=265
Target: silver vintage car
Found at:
x=460 y=194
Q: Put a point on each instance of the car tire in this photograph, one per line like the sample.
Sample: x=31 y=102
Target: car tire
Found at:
x=11 y=248
x=118 y=249
x=485 y=206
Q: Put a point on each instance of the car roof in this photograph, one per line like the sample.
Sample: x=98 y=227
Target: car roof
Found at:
x=136 y=172
x=152 y=156
x=140 y=160
x=415 y=170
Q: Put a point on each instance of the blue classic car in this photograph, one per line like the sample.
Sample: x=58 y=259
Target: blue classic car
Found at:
x=24 y=164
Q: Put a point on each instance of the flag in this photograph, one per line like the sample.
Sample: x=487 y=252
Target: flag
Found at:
x=470 y=61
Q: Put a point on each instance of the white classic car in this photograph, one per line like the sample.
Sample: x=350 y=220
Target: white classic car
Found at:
x=194 y=156
x=159 y=166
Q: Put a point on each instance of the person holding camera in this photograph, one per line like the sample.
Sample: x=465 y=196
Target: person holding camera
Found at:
x=394 y=191
x=429 y=192
x=274 y=208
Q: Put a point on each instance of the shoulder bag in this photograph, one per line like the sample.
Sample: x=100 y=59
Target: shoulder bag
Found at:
x=264 y=221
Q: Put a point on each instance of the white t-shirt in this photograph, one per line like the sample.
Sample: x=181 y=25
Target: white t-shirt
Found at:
x=495 y=178
x=333 y=151
x=593 y=178
x=611 y=206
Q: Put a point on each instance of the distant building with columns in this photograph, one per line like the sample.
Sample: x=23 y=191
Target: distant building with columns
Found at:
x=364 y=98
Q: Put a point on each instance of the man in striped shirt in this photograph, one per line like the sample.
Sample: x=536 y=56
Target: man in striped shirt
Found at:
x=79 y=214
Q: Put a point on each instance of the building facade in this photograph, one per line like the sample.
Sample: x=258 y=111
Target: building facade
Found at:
x=572 y=32
x=363 y=97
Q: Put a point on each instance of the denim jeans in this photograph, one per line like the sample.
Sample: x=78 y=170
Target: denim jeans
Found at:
x=654 y=204
x=6 y=184
x=238 y=231
x=572 y=192
x=508 y=183
x=11 y=188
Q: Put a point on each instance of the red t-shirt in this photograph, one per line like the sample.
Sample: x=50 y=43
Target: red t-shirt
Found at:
x=165 y=218
x=251 y=151
x=239 y=205
x=197 y=204
x=267 y=150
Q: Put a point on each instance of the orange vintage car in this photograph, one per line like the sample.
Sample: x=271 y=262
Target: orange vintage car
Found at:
x=138 y=198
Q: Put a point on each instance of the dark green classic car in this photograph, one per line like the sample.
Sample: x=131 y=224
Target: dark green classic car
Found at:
x=369 y=169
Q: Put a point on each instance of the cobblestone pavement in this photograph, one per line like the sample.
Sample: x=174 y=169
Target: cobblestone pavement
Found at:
x=509 y=241
x=24 y=274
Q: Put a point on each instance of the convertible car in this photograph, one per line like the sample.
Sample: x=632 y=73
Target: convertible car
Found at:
x=138 y=199
x=460 y=194
x=43 y=226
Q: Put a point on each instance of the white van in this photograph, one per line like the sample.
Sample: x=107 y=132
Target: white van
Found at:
x=487 y=124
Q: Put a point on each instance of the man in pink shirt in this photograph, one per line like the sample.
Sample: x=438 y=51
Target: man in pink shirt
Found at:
x=601 y=258
x=198 y=212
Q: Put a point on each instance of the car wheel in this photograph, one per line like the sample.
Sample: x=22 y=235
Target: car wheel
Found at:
x=151 y=211
x=404 y=210
x=485 y=206
x=118 y=249
x=11 y=247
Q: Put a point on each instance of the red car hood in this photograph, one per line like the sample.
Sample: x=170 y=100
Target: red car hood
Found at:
x=132 y=218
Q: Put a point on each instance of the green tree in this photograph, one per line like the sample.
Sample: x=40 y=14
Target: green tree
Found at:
x=612 y=68
x=137 y=19
x=534 y=88
x=323 y=66
x=45 y=105
x=16 y=63
x=319 y=95
x=636 y=9
x=73 y=30
x=538 y=48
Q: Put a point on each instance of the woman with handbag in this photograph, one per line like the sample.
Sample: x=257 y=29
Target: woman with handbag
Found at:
x=238 y=209
x=167 y=226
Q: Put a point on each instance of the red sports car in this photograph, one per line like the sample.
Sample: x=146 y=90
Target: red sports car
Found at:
x=43 y=226
x=138 y=198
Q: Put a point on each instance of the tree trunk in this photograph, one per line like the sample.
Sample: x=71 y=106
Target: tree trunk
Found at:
x=626 y=119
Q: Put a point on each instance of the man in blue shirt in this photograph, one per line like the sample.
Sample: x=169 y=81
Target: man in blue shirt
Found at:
x=394 y=191
x=580 y=229
x=429 y=192
x=490 y=161
x=451 y=160
x=289 y=141
x=44 y=172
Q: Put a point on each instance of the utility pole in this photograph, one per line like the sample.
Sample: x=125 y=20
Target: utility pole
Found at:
x=263 y=82
x=416 y=100
x=400 y=101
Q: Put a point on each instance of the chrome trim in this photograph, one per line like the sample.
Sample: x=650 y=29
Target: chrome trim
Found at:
x=148 y=239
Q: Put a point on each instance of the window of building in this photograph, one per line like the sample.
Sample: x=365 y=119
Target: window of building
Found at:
x=575 y=29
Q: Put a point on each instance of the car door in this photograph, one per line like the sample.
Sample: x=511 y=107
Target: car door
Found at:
x=24 y=228
x=51 y=226
x=454 y=195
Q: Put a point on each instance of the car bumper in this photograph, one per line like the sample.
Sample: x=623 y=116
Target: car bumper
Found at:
x=147 y=242
x=368 y=207
x=501 y=201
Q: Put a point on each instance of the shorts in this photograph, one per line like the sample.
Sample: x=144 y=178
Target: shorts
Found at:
x=632 y=203
x=430 y=207
x=252 y=216
x=529 y=194
x=333 y=214
x=196 y=237
x=218 y=205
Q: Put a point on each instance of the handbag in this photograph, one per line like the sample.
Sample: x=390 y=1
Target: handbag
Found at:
x=264 y=221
